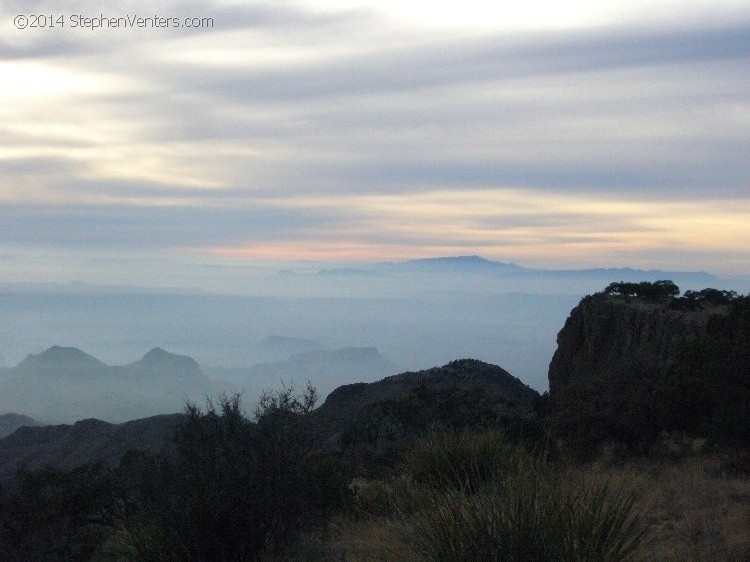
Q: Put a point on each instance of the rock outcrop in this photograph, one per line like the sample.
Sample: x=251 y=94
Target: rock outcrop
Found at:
x=627 y=369
x=614 y=337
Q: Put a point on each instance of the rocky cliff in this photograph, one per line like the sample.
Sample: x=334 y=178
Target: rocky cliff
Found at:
x=627 y=368
x=614 y=337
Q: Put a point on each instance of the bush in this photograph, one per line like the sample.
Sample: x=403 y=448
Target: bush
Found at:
x=239 y=489
x=48 y=514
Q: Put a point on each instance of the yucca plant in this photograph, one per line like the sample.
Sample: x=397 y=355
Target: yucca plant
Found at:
x=459 y=460
x=525 y=510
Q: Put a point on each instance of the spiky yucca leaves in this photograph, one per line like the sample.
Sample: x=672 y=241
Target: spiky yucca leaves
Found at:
x=485 y=500
x=460 y=460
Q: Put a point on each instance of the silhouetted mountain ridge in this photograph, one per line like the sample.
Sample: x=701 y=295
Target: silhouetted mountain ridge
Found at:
x=460 y=373
x=159 y=362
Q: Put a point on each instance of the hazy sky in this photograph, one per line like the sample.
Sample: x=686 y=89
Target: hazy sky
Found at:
x=551 y=134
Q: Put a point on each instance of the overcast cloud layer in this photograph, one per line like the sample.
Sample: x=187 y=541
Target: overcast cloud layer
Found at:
x=585 y=137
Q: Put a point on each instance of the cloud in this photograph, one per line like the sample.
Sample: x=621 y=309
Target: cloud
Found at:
x=292 y=124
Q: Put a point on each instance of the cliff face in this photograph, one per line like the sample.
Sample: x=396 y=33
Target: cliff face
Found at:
x=613 y=338
x=627 y=369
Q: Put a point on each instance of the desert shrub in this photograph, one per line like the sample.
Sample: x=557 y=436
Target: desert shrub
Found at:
x=525 y=510
x=238 y=489
x=48 y=514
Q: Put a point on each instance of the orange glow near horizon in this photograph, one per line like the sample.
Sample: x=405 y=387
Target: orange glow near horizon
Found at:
x=587 y=231
x=329 y=252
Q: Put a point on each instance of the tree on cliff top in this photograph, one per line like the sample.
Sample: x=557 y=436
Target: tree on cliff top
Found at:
x=658 y=291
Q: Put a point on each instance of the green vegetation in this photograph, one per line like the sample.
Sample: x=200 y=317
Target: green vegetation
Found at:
x=657 y=291
x=666 y=291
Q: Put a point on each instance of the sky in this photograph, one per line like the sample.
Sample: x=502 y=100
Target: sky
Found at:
x=550 y=134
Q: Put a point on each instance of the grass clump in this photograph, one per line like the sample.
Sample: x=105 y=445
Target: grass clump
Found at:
x=463 y=460
x=487 y=500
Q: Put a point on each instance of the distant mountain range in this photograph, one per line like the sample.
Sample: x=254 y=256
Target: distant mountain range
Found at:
x=478 y=265
x=282 y=347
x=456 y=263
x=65 y=384
x=325 y=368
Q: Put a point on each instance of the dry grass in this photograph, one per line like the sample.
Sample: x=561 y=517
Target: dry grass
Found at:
x=694 y=508
x=695 y=512
x=377 y=539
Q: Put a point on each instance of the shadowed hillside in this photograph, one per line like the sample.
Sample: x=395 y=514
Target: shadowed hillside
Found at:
x=70 y=446
x=371 y=424
x=465 y=374
x=11 y=422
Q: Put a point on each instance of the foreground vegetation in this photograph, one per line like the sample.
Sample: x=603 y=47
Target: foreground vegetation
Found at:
x=262 y=490
x=691 y=505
